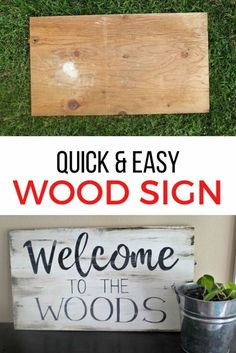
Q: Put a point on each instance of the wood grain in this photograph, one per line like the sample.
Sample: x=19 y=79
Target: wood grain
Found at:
x=141 y=283
x=119 y=64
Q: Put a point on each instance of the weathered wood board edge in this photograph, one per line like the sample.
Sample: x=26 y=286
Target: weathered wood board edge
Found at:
x=202 y=13
x=11 y=231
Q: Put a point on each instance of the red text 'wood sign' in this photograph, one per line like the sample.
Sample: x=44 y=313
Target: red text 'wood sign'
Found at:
x=99 y=279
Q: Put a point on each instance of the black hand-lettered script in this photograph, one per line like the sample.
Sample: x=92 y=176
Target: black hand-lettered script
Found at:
x=118 y=260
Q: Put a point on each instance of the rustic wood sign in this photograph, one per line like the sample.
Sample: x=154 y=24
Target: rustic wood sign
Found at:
x=119 y=64
x=99 y=279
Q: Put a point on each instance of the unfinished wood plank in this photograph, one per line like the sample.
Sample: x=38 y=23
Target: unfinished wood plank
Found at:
x=119 y=64
x=99 y=279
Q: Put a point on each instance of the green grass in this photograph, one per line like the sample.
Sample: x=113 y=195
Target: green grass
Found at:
x=15 y=118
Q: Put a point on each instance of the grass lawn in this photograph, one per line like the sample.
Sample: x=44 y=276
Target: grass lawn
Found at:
x=15 y=118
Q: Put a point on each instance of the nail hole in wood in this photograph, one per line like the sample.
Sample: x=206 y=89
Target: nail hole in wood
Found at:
x=35 y=40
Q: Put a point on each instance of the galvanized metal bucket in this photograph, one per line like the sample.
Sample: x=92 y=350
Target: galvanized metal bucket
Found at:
x=206 y=327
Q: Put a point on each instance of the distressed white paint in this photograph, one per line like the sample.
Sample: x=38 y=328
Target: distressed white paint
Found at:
x=141 y=282
x=70 y=70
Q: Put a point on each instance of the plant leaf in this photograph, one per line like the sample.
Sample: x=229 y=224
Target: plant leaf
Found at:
x=207 y=282
x=229 y=285
x=211 y=295
x=232 y=294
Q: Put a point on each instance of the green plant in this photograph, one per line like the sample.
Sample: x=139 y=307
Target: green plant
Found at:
x=216 y=291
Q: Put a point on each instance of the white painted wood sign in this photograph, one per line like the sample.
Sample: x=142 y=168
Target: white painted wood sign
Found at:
x=99 y=279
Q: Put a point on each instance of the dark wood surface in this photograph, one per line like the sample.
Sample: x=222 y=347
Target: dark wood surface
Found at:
x=12 y=341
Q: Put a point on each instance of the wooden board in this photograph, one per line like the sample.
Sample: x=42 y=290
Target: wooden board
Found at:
x=119 y=64
x=123 y=285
